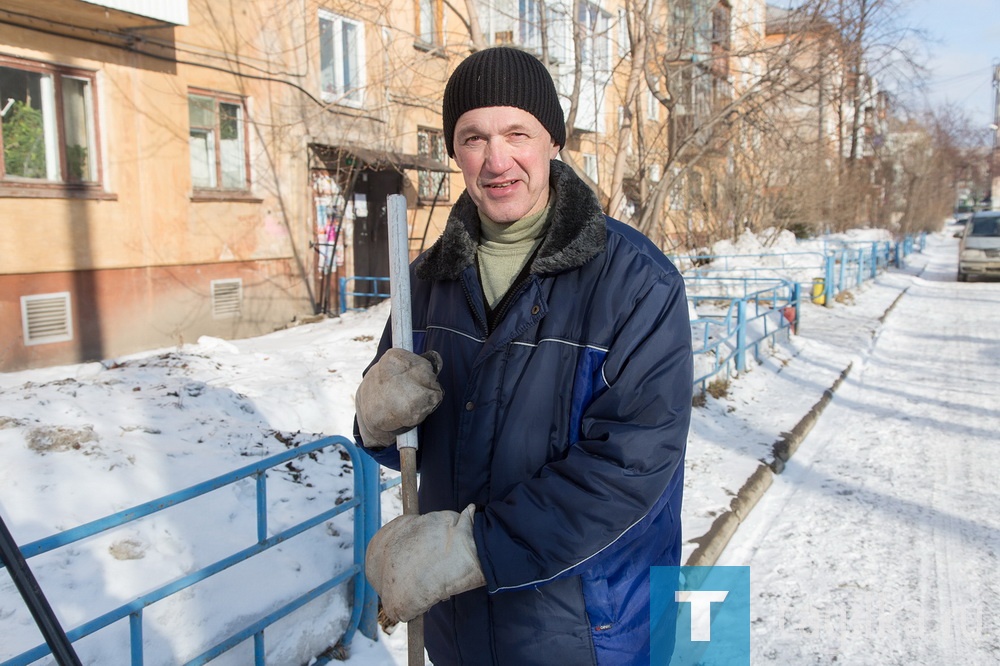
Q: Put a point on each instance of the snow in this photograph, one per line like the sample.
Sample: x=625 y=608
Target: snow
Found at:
x=880 y=542
x=917 y=512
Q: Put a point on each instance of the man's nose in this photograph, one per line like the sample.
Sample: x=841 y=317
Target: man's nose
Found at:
x=497 y=156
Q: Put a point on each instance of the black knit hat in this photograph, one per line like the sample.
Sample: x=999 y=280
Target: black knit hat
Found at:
x=502 y=76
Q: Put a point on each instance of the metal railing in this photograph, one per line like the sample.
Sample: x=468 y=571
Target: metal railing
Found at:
x=765 y=309
x=373 y=290
x=364 y=503
x=839 y=266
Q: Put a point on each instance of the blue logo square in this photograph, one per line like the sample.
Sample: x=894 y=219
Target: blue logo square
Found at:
x=699 y=616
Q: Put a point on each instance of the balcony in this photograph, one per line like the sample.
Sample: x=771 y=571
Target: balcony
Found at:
x=105 y=20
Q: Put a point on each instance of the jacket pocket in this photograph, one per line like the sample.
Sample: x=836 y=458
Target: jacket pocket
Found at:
x=601 y=608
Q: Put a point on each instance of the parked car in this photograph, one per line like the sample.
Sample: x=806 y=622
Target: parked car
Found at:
x=979 y=249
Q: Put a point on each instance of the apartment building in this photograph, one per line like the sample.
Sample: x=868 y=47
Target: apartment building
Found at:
x=173 y=169
x=180 y=168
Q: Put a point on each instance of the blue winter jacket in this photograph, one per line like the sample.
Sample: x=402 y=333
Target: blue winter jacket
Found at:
x=566 y=426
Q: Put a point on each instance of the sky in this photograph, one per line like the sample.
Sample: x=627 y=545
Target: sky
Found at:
x=79 y=442
x=964 y=45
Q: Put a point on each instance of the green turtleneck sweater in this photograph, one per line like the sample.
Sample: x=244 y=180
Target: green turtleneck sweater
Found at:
x=505 y=248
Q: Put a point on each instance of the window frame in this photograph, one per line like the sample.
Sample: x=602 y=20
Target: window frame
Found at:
x=63 y=186
x=437 y=23
x=341 y=94
x=218 y=189
x=596 y=45
x=445 y=194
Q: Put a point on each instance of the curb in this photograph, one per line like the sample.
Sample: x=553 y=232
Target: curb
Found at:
x=714 y=541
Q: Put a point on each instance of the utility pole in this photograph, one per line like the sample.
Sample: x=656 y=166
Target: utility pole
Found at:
x=995 y=155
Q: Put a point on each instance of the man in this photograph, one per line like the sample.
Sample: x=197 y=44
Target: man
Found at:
x=553 y=396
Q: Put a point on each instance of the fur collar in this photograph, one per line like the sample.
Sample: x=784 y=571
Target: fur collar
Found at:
x=577 y=232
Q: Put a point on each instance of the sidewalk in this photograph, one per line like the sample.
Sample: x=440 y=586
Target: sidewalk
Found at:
x=740 y=440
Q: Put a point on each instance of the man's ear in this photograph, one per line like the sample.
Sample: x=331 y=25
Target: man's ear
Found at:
x=555 y=150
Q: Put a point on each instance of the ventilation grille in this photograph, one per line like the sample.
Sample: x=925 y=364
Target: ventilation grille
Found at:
x=46 y=318
x=227 y=298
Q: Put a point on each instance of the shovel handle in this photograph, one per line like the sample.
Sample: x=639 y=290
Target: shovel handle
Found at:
x=402 y=337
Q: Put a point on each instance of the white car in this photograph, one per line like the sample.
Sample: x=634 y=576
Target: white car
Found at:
x=979 y=249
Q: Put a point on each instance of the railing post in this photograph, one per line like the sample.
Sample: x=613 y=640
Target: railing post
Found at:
x=343 y=295
x=842 y=275
x=874 y=260
x=899 y=258
x=831 y=260
x=741 y=335
x=861 y=266
x=372 y=501
x=797 y=304
x=135 y=637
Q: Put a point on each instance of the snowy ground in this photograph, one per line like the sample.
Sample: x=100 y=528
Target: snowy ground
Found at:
x=79 y=442
x=880 y=544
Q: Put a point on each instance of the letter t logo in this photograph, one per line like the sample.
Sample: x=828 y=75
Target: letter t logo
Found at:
x=701 y=610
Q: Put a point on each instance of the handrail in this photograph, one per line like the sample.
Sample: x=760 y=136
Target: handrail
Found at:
x=362 y=503
x=374 y=292
x=761 y=313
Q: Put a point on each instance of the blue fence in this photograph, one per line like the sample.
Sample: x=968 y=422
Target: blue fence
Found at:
x=839 y=266
x=363 y=287
x=749 y=314
x=366 y=519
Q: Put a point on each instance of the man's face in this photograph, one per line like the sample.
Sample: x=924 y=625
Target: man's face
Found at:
x=504 y=155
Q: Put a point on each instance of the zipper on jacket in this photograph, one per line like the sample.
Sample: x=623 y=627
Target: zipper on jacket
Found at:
x=494 y=317
x=472 y=304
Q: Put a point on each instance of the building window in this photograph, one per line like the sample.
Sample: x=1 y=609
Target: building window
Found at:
x=590 y=166
x=652 y=106
x=624 y=41
x=596 y=44
x=432 y=184
x=48 y=133
x=429 y=18
x=218 y=142
x=342 y=57
x=720 y=25
x=530 y=24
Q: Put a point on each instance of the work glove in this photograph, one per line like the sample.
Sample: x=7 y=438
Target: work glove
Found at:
x=396 y=395
x=414 y=562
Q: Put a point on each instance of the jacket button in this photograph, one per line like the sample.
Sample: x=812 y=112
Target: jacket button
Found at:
x=469 y=406
x=535 y=310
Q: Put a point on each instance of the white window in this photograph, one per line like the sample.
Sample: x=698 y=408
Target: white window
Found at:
x=654 y=173
x=595 y=43
x=652 y=106
x=530 y=24
x=342 y=58
x=590 y=166
x=432 y=184
x=429 y=14
x=217 y=142
x=624 y=43
x=47 y=131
